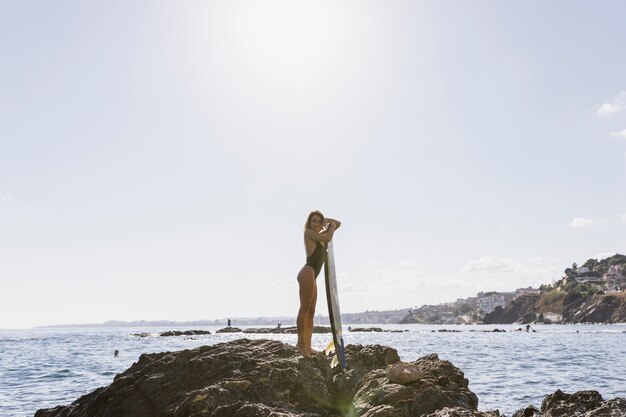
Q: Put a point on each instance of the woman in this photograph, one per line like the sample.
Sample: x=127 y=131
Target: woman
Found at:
x=317 y=232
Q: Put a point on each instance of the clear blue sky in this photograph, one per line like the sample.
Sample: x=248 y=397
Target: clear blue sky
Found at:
x=158 y=159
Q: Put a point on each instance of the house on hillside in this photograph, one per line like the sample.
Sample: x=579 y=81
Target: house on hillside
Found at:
x=614 y=279
x=550 y=317
x=524 y=291
x=487 y=302
x=589 y=280
x=582 y=270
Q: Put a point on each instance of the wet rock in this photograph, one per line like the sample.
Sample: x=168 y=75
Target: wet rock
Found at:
x=141 y=334
x=284 y=330
x=183 y=333
x=530 y=411
x=229 y=330
x=366 y=329
x=463 y=412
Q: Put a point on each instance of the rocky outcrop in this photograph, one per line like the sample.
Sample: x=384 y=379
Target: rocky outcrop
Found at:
x=267 y=378
x=606 y=308
x=579 y=404
x=599 y=308
x=521 y=310
x=273 y=330
x=366 y=329
x=229 y=330
x=374 y=330
x=184 y=333
x=431 y=385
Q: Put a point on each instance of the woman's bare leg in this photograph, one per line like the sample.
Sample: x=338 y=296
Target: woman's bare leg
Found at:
x=311 y=317
x=304 y=323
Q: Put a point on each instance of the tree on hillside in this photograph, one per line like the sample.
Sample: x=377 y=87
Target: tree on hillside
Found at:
x=569 y=272
x=617 y=259
x=544 y=288
x=591 y=263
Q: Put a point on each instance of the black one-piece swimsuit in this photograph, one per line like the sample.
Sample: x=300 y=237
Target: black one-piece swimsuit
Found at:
x=317 y=258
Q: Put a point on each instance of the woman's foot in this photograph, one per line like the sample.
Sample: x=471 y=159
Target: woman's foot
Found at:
x=303 y=350
x=313 y=351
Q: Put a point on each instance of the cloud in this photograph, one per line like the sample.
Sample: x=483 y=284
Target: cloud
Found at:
x=6 y=198
x=492 y=272
x=623 y=216
x=407 y=263
x=490 y=264
x=621 y=134
x=581 y=223
x=614 y=107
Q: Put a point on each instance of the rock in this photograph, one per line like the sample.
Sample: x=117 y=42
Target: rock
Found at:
x=581 y=404
x=463 y=412
x=442 y=385
x=600 y=308
x=366 y=329
x=611 y=408
x=403 y=373
x=267 y=378
x=522 y=305
x=578 y=404
x=528 y=308
x=283 y=330
x=530 y=411
x=242 y=378
x=229 y=330
x=141 y=334
x=185 y=333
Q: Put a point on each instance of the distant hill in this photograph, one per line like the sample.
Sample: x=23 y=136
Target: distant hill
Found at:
x=593 y=293
x=367 y=317
x=597 y=308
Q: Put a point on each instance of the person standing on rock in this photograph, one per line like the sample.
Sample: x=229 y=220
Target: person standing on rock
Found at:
x=317 y=231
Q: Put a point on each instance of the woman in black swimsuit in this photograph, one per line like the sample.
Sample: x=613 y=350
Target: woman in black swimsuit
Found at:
x=317 y=232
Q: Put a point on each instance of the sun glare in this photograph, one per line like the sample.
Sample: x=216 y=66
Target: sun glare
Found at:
x=292 y=41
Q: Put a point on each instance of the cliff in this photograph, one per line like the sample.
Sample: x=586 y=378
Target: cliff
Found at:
x=574 y=308
x=268 y=378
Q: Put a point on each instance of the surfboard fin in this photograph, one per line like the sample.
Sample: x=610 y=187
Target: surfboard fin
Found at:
x=330 y=348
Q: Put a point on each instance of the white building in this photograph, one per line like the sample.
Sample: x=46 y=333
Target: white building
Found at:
x=527 y=290
x=487 y=302
x=553 y=317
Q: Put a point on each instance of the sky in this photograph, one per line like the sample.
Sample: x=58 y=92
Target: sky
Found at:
x=158 y=159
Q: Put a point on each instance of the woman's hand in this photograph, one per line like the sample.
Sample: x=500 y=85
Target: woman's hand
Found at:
x=335 y=223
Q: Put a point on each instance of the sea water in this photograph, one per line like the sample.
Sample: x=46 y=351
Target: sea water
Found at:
x=43 y=368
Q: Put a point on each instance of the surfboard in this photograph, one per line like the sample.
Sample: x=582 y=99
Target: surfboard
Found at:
x=334 y=313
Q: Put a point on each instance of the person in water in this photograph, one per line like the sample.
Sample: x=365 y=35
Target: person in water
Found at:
x=317 y=232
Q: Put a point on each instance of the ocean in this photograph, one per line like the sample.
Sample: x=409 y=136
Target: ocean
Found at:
x=43 y=368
